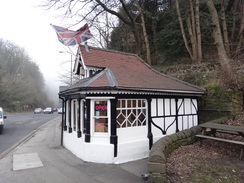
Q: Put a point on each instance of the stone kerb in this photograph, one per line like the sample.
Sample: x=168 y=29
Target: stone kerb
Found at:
x=164 y=146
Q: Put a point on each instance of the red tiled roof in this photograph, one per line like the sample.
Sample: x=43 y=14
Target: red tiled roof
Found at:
x=129 y=71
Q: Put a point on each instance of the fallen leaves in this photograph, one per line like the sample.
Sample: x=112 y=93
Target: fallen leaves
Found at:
x=186 y=161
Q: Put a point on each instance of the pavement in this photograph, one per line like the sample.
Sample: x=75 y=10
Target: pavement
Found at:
x=40 y=158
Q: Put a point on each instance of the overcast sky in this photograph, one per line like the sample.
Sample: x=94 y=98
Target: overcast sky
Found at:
x=28 y=26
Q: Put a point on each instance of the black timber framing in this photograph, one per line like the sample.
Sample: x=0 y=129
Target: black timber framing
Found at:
x=78 y=117
x=62 y=122
x=67 y=99
x=87 y=122
x=114 y=137
x=176 y=115
x=64 y=115
x=177 y=109
x=78 y=97
x=69 y=116
x=149 y=133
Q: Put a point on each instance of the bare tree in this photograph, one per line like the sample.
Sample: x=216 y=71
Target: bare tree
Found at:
x=194 y=31
x=239 y=9
x=104 y=28
x=126 y=11
x=217 y=35
x=127 y=18
x=198 y=31
x=144 y=33
x=224 y=27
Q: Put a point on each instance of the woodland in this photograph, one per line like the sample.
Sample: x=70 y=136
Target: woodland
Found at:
x=198 y=41
x=22 y=86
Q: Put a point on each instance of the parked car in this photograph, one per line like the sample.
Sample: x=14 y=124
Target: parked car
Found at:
x=48 y=110
x=60 y=110
x=2 y=117
x=38 y=111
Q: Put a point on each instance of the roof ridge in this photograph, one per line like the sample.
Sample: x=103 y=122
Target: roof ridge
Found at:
x=110 y=50
x=110 y=76
x=94 y=78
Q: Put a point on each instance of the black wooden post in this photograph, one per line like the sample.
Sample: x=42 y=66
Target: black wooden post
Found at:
x=69 y=113
x=176 y=115
x=88 y=123
x=64 y=115
x=62 y=122
x=78 y=116
x=197 y=108
x=114 y=137
x=149 y=117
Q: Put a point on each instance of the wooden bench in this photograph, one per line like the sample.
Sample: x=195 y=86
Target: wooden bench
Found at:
x=212 y=128
x=222 y=140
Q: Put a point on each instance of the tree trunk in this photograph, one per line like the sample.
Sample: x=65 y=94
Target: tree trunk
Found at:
x=199 y=36
x=224 y=60
x=225 y=31
x=193 y=40
x=182 y=29
x=232 y=39
x=193 y=27
x=137 y=39
x=193 y=33
x=144 y=34
x=241 y=30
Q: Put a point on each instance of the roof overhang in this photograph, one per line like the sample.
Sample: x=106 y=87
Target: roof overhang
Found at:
x=129 y=91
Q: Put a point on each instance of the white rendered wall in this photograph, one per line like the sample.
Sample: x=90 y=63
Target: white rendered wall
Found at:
x=99 y=150
x=187 y=115
x=133 y=144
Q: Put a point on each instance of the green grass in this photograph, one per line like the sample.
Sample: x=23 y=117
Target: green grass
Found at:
x=216 y=173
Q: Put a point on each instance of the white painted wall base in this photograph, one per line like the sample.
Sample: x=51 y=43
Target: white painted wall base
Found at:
x=103 y=152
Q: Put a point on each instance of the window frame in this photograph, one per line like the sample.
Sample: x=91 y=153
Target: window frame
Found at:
x=94 y=116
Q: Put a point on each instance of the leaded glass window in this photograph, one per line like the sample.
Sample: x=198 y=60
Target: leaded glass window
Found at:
x=131 y=112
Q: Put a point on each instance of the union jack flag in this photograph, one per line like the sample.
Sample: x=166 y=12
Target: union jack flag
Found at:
x=71 y=38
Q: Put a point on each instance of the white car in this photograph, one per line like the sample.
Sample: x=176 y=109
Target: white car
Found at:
x=37 y=111
x=60 y=110
x=2 y=117
x=48 y=110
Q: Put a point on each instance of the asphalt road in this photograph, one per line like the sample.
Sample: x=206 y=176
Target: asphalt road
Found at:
x=19 y=126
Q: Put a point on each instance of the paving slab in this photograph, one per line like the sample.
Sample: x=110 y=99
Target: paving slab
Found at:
x=26 y=161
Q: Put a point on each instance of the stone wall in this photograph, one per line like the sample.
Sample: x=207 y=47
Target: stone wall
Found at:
x=164 y=146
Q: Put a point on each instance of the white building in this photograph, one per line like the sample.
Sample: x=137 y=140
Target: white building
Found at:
x=121 y=106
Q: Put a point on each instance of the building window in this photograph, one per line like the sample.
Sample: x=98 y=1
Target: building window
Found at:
x=101 y=116
x=131 y=112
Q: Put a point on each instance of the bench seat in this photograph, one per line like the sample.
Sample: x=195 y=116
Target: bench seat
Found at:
x=223 y=140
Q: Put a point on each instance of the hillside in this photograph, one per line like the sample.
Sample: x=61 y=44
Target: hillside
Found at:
x=220 y=97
